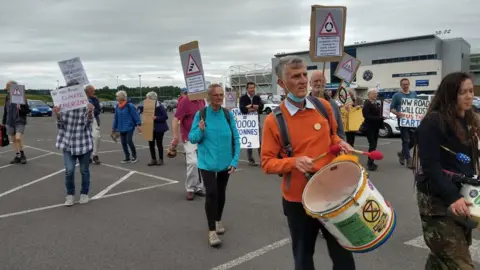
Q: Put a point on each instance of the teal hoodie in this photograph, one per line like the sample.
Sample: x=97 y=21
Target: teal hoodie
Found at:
x=215 y=142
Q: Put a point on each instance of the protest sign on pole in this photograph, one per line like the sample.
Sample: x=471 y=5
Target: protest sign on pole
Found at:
x=386 y=108
x=149 y=106
x=347 y=68
x=72 y=70
x=413 y=110
x=248 y=129
x=17 y=92
x=69 y=98
x=191 y=61
x=230 y=100
x=327 y=33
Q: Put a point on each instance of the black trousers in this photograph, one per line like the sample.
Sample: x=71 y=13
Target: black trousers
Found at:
x=158 y=138
x=304 y=231
x=215 y=189
x=372 y=137
x=350 y=138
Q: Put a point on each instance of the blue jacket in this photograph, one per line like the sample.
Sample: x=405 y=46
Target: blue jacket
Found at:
x=126 y=119
x=215 y=142
x=98 y=109
x=160 y=124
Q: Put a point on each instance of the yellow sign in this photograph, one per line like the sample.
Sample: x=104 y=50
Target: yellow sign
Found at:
x=352 y=119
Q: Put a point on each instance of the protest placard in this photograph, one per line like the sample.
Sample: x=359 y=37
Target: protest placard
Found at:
x=386 y=108
x=17 y=93
x=149 y=106
x=248 y=129
x=191 y=61
x=72 y=70
x=69 y=98
x=230 y=100
x=413 y=111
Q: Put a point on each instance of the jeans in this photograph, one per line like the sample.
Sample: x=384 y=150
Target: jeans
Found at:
x=408 y=141
x=70 y=162
x=304 y=231
x=157 y=137
x=372 y=137
x=127 y=141
x=215 y=187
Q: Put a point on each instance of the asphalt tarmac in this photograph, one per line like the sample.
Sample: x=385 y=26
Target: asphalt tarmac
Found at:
x=140 y=218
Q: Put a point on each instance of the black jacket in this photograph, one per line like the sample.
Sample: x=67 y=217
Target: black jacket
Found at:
x=245 y=101
x=372 y=112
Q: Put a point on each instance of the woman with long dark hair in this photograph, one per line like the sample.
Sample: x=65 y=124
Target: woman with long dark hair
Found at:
x=450 y=126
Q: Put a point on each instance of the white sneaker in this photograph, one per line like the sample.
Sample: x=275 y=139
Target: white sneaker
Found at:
x=213 y=239
x=83 y=199
x=69 y=200
x=219 y=227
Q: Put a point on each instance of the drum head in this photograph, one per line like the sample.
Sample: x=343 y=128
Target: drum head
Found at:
x=332 y=186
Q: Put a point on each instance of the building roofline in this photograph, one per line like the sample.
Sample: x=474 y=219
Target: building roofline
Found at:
x=383 y=42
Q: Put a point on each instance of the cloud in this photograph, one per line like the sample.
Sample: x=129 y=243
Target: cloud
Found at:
x=126 y=38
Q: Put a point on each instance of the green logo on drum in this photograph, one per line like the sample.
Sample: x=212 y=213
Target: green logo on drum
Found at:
x=477 y=200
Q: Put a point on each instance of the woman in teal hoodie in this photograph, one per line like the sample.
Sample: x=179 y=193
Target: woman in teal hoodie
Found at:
x=215 y=131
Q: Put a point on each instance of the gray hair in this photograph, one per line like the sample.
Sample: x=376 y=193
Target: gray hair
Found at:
x=121 y=94
x=288 y=61
x=152 y=95
x=371 y=90
x=210 y=89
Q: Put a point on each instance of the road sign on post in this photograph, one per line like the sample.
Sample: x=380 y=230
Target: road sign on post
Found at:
x=347 y=68
x=327 y=33
x=193 y=70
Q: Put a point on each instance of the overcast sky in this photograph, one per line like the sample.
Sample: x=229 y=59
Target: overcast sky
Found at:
x=125 y=38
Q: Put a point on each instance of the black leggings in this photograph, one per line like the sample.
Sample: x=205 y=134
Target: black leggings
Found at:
x=215 y=187
x=158 y=137
x=350 y=138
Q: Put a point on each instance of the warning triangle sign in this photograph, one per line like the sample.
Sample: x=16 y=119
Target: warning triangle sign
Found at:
x=329 y=27
x=348 y=65
x=192 y=66
x=16 y=92
x=230 y=97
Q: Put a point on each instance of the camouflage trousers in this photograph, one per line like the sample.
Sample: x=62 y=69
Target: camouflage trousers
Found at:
x=448 y=240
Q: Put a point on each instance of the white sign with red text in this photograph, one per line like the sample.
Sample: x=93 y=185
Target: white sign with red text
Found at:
x=69 y=98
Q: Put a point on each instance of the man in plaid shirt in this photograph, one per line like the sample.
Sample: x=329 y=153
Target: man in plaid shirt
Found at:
x=76 y=141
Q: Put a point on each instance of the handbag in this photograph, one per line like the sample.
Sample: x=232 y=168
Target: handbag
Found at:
x=3 y=136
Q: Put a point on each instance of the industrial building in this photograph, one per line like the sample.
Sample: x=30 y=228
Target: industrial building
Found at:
x=422 y=59
x=475 y=70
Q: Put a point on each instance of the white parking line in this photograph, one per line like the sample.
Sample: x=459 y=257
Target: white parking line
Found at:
x=31 y=183
x=116 y=183
x=474 y=248
x=7 y=151
x=24 y=212
x=252 y=255
x=141 y=173
x=37 y=157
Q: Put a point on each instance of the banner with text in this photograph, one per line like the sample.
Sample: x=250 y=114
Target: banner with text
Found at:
x=69 y=98
x=248 y=129
x=413 y=111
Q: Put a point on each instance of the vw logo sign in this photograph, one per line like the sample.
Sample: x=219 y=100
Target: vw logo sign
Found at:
x=367 y=75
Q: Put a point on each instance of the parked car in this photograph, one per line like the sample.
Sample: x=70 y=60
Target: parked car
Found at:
x=50 y=104
x=170 y=105
x=108 y=106
x=39 y=108
x=269 y=106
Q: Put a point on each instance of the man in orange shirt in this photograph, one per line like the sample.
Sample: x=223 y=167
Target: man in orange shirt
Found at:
x=310 y=135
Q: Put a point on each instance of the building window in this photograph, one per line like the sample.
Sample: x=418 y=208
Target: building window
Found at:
x=404 y=59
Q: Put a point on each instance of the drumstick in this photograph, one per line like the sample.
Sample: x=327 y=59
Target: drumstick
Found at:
x=334 y=150
x=375 y=155
x=461 y=157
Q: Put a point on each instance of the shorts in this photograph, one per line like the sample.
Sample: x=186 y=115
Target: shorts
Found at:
x=11 y=131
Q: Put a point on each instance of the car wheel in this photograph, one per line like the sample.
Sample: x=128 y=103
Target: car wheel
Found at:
x=268 y=111
x=385 y=132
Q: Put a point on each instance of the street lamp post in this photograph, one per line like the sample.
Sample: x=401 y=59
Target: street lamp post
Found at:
x=140 y=84
x=58 y=84
x=117 y=83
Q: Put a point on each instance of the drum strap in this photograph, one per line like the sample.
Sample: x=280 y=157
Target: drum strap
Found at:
x=285 y=136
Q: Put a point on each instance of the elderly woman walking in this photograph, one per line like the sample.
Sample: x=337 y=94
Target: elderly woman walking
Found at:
x=372 y=113
x=160 y=126
x=215 y=131
x=125 y=120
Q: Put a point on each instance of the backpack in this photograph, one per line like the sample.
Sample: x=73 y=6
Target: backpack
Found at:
x=285 y=137
x=3 y=137
x=203 y=115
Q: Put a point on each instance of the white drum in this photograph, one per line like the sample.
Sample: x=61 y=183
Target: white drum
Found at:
x=472 y=194
x=351 y=208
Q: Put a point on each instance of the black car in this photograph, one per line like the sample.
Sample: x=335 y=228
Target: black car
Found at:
x=108 y=106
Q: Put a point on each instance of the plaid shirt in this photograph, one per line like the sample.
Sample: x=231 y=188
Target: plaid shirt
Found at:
x=75 y=132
